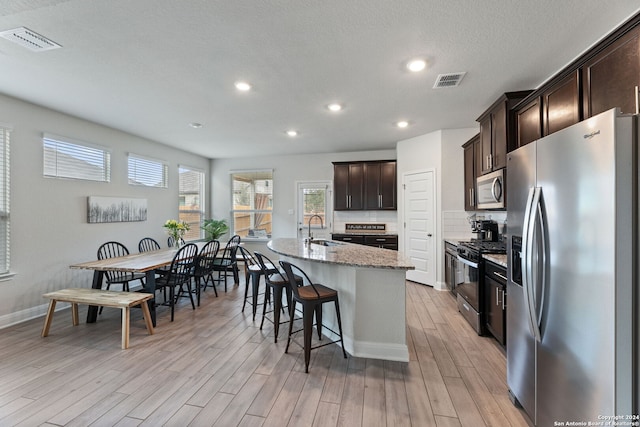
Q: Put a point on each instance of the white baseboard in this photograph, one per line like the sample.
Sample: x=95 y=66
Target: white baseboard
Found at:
x=28 y=314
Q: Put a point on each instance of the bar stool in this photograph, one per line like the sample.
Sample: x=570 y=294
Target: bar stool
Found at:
x=253 y=271
x=276 y=282
x=311 y=297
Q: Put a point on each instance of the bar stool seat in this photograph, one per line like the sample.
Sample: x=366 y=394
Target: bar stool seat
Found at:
x=311 y=296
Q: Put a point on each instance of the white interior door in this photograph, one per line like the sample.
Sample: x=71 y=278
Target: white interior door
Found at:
x=315 y=198
x=419 y=225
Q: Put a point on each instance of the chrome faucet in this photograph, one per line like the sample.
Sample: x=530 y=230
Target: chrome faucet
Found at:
x=321 y=224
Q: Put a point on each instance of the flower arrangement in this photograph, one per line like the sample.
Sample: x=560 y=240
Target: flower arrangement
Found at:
x=176 y=230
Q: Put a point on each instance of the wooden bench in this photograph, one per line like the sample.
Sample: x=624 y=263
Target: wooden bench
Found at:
x=98 y=297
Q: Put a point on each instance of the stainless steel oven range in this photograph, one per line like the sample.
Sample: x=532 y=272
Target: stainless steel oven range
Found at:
x=469 y=292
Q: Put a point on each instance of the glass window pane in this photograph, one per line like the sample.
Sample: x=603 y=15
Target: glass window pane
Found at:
x=252 y=203
x=148 y=172
x=314 y=203
x=191 y=200
x=63 y=159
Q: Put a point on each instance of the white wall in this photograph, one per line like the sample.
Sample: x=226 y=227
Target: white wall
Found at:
x=286 y=171
x=49 y=229
x=441 y=151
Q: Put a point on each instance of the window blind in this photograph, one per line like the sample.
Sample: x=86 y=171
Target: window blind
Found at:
x=76 y=160
x=147 y=172
x=4 y=201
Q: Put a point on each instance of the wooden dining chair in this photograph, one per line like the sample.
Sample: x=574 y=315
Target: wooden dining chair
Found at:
x=228 y=262
x=148 y=244
x=203 y=267
x=113 y=250
x=178 y=278
x=311 y=296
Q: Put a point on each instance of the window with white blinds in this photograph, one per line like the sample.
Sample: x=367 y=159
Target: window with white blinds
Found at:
x=148 y=172
x=64 y=158
x=4 y=200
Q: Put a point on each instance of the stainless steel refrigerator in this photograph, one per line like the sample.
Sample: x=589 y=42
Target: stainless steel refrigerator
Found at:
x=572 y=327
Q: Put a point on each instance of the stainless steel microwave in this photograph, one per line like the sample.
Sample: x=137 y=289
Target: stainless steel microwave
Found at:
x=490 y=190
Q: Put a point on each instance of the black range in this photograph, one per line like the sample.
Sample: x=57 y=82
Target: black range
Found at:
x=469 y=291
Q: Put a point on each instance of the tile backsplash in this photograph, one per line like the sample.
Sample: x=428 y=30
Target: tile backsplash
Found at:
x=456 y=223
x=389 y=218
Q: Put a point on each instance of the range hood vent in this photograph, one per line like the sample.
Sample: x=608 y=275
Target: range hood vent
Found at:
x=29 y=39
x=448 y=80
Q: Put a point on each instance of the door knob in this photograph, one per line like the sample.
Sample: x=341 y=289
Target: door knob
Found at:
x=429 y=235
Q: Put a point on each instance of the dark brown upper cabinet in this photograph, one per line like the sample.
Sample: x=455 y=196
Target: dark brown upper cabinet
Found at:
x=612 y=77
x=367 y=185
x=529 y=122
x=348 y=186
x=498 y=131
x=562 y=104
x=470 y=148
x=380 y=185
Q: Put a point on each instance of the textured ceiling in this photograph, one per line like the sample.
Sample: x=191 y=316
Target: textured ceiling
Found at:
x=151 y=67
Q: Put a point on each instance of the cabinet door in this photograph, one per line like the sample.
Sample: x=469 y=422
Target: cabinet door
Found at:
x=356 y=186
x=341 y=187
x=388 y=186
x=494 y=312
x=483 y=155
x=562 y=104
x=372 y=186
x=498 y=158
x=529 y=123
x=612 y=77
x=469 y=173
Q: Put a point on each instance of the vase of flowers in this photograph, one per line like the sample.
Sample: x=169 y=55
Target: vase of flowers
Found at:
x=176 y=230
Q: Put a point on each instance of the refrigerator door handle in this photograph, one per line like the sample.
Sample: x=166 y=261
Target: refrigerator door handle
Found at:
x=527 y=249
x=531 y=286
x=543 y=259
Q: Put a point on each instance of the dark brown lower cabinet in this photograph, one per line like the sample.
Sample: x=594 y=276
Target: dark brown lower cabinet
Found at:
x=383 y=241
x=495 y=299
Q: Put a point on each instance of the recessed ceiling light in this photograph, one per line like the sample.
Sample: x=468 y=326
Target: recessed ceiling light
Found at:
x=243 y=86
x=402 y=124
x=334 y=107
x=292 y=133
x=416 y=65
x=195 y=125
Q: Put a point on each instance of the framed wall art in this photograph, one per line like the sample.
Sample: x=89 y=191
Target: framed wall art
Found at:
x=115 y=209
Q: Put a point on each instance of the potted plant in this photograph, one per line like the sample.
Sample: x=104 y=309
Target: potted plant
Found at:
x=214 y=228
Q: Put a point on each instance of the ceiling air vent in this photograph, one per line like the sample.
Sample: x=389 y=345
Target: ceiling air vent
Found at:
x=448 y=80
x=29 y=39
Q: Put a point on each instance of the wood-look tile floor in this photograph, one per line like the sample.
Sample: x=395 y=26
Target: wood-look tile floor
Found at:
x=215 y=367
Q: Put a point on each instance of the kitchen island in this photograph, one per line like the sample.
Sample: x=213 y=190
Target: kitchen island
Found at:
x=371 y=288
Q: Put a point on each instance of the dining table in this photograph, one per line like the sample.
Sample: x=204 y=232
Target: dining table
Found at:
x=143 y=262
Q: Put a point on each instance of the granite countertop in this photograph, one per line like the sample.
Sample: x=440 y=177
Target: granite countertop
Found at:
x=342 y=253
x=497 y=259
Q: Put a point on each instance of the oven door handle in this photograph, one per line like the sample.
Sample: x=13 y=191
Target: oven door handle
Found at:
x=467 y=262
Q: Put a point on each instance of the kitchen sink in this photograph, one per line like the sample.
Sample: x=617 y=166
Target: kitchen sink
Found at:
x=322 y=242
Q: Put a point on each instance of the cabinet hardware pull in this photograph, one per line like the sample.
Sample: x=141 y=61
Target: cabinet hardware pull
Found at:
x=498 y=296
x=349 y=201
x=637 y=101
x=490 y=161
x=499 y=275
x=504 y=300
x=381 y=240
x=470 y=197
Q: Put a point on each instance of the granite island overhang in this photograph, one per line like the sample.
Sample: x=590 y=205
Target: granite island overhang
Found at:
x=371 y=288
